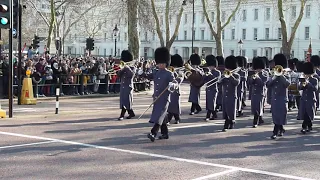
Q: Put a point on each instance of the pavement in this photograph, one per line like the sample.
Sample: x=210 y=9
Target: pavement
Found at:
x=85 y=141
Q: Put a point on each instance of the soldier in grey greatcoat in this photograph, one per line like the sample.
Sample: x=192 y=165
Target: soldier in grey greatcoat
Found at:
x=315 y=60
x=268 y=98
x=212 y=87
x=220 y=60
x=174 y=109
x=279 y=96
x=245 y=68
x=309 y=87
x=162 y=79
x=229 y=93
x=258 y=82
x=241 y=87
x=194 y=96
x=126 y=74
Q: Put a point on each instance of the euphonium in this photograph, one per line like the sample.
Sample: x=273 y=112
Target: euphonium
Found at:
x=278 y=70
x=227 y=73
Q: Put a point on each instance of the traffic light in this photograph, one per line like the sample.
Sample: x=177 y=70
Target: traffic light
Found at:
x=35 y=42
x=5 y=14
x=15 y=17
x=90 y=44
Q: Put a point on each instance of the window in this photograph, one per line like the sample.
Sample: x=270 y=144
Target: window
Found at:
x=308 y=11
x=279 y=33
x=194 y=34
x=185 y=35
x=125 y=36
x=153 y=36
x=202 y=34
x=243 y=52
x=232 y=52
x=267 y=53
x=105 y=36
x=292 y=53
x=305 y=53
x=195 y=17
x=267 y=33
x=244 y=34
x=185 y=18
x=255 y=33
x=111 y=51
x=244 y=15
x=212 y=16
x=222 y=34
x=202 y=18
x=223 y=17
x=104 y=52
x=254 y=53
x=256 y=14
x=293 y=12
x=146 y=36
x=233 y=34
x=177 y=38
x=177 y=51
x=233 y=18
x=319 y=53
x=306 y=33
x=268 y=12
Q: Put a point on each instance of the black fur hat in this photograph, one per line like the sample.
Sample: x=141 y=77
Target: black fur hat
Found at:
x=126 y=56
x=245 y=62
x=258 y=63
x=240 y=61
x=315 y=60
x=308 y=68
x=220 y=60
x=266 y=61
x=299 y=66
x=291 y=64
x=231 y=62
x=162 y=55
x=211 y=60
x=176 y=61
x=195 y=59
x=280 y=59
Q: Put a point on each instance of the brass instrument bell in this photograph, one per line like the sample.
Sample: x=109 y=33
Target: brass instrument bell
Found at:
x=278 y=70
x=227 y=73
x=170 y=68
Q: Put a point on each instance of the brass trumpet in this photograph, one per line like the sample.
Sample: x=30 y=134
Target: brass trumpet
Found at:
x=227 y=73
x=188 y=69
x=278 y=70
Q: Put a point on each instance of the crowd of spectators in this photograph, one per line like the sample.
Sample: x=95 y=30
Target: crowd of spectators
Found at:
x=94 y=74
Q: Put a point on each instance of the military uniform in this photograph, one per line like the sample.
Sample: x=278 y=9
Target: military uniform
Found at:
x=219 y=96
x=126 y=75
x=279 y=97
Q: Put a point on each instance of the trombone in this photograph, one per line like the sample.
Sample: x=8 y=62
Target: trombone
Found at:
x=226 y=74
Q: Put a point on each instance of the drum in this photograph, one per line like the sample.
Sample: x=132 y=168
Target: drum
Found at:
x=293 y=89
x=196 y=79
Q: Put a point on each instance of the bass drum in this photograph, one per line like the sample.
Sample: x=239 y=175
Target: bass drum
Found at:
x=196 y=79
x=293 y=89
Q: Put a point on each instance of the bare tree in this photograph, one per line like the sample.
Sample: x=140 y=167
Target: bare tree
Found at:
x=217 y=30
x=171 y=7
x=133 y=32
x=287 y=41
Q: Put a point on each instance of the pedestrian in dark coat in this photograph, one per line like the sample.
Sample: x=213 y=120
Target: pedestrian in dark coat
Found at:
x=229 y=92
x=258 y=86
x=126 y=74
x=163 y=80
x=308 y=99
x=315 y=60
x=194 y=96
x=174 y=109
x=212 y=87
x=220 y=60
x=279 y=96
x=241 y=88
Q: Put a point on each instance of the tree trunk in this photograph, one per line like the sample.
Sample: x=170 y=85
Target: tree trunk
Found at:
x=219 y=44
x=133 y=33
x=52 y=22
x=286 y=49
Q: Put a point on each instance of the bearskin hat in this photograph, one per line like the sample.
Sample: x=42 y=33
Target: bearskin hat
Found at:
x=258 y=63
x=231 y=62
x=211 y=60
x=162 y=55
x=299 y=66
x=266 y=61
x=280 y=59
x=291 y=64
x=240 y=61
x=245 y=61
x=195 y=59
x=308 y=68
x=126 y=56
x=315 y=60
x=220 y=60
x=176 y=61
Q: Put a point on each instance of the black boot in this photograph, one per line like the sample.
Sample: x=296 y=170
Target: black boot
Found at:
x=226 y=125
x=255 y=121
x=240 y=113
x=281 y=131
x=208 y=115
x=169 y=118
x=214 y=115
x=261 y=121
x=131 y=114
x=123 y=111
x=232 y=124
x=164 y=131
x=275 y=132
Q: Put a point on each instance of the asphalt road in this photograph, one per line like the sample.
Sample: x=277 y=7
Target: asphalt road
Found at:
x=85 y=141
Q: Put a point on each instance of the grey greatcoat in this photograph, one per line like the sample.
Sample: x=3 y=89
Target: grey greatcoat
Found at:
x=212 y=91
x=241 y=88
x=219 y=96
x=229 y=96
x=161 y=79
x=317 y=93
x=258 y=93
x=308 y=99
x=174 y=105
x=279 y=98
x=194 y=96
x=126 y=88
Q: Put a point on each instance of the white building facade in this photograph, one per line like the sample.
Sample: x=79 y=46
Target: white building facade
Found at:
x=256 y=24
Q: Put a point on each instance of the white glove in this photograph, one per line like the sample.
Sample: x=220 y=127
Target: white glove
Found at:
x=274 y=77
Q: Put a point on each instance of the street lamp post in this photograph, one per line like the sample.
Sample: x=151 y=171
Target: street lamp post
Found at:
x=193 y=16
x=115 y=34
x=240 y=44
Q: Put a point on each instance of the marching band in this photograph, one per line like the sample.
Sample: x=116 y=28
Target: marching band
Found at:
x=283 y=84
